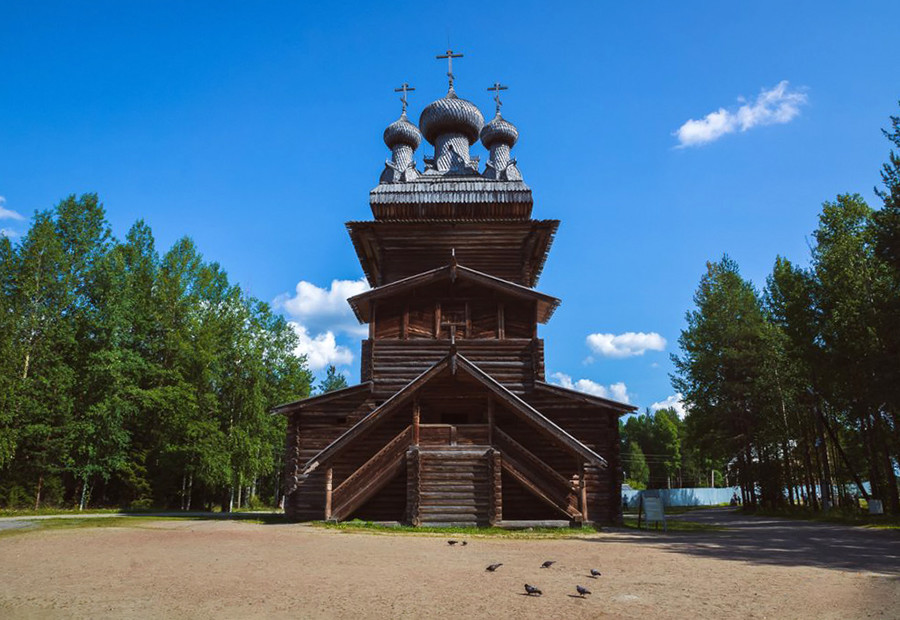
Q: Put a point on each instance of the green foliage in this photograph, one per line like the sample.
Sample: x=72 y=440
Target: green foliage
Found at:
x=333 y=381
x=133 y=379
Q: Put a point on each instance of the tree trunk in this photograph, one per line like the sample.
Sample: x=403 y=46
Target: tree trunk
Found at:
x=190 y=490
x=37 y=495
x=84 y=494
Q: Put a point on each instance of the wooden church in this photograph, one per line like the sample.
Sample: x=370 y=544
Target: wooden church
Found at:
x=453 y=421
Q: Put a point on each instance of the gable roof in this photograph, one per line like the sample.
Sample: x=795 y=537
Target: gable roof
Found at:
x=583 y=397
x=362 y=303
x=361 y=388
x=455 y=362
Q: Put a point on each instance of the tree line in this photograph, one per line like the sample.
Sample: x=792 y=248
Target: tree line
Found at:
x=794 y=390
x=134 y=379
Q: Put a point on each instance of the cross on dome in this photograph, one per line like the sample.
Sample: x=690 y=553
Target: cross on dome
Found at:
x=449 y=55
x=404 y=88
x=497 y=87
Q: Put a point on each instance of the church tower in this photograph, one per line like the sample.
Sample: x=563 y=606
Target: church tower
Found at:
x=453 y=421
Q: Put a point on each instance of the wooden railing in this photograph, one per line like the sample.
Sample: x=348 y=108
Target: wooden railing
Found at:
x=370 y=477
x=538 y=477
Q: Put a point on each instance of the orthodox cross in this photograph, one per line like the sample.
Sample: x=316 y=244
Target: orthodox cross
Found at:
x=497 y=87
x=404 y=88
x=449 y=56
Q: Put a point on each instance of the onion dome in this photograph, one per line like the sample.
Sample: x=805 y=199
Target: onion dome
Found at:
x=499 y=131
x=451 y=115
x=401 y=131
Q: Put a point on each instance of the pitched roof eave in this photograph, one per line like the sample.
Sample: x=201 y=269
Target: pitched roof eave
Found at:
x=547 y=304
x=622 y=408
x=321 y=398
x=373 y=416
x=536 y=416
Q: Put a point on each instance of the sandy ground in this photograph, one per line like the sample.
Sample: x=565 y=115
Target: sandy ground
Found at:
x=232 y=569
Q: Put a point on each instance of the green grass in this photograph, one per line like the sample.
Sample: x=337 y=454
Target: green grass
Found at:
x=461 y=532
x=30 y=512
x=673 y=525
x=68 y=524
x=838 y=516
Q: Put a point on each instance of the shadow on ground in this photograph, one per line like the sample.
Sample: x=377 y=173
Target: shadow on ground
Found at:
x=773 y=541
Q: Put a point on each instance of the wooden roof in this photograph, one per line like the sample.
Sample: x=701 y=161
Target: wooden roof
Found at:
x=588 y=399
x=454 y=362
x=362 y=303
x=451 y=197
x=362 y=389
x=511 y=249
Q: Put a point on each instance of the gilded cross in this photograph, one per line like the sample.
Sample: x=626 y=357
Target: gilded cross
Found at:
x=449 y=56
x=497 y=87
x=404 y=88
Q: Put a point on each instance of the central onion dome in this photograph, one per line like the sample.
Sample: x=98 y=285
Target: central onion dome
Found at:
x=451 y=115
x=401 y=131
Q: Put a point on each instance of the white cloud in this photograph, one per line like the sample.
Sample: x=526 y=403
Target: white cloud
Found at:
x=320 y=350
x=628 y=344
x=322 y=309
x=672 y=402
x=318 y=316
x=775 y=106
x=616 y=391
x=8 y=232
x=8 y=214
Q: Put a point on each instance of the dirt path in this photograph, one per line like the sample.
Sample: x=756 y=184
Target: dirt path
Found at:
x=204 y=569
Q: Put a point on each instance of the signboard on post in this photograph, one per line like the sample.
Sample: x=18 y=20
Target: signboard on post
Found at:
x=653 y=511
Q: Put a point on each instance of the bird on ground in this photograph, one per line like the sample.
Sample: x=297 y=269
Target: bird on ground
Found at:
x=582 y=591
x=548 y=564
x=464 y=543
x=595 y=573
x=452 y=542
x=493 y=567
x=532 y=590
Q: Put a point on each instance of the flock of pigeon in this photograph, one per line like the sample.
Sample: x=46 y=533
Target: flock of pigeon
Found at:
x=531 y=590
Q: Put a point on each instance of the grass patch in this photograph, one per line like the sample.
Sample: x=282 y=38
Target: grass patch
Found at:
x=838 y=516
x=460 y=532
x=68 y=524
x=673 y=525
x=40 y=512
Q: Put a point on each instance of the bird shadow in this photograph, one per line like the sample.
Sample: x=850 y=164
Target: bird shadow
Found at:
x=574 y=596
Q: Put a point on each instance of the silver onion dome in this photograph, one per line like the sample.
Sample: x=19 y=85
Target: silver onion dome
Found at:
x=499 y=131
x=451 y=115
x=401 y=131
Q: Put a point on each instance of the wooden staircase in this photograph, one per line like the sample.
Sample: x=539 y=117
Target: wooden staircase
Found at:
x=455 y=486
x=537 y=477
x=370 y=478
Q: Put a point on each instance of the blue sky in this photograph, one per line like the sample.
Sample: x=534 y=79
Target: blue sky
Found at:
x=256 y=130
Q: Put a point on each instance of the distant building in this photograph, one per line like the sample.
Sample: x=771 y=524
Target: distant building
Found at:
x=453 y=421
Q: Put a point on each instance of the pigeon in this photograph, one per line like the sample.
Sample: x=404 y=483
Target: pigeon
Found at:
x=548 y=564
x=493 y=567
x=464 y=543
x=452 y=542
x=532 y=590
x=595 y=573
x=582 y=591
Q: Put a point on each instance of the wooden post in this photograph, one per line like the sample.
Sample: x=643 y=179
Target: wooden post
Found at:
x=468 y=321
x=501 y=321
x=490 y=420
x=404 y=328
x=416 y=417
x=372 y=321
x=584 y=504
x=535 y=333
x=329 y=474
x=437 y=320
